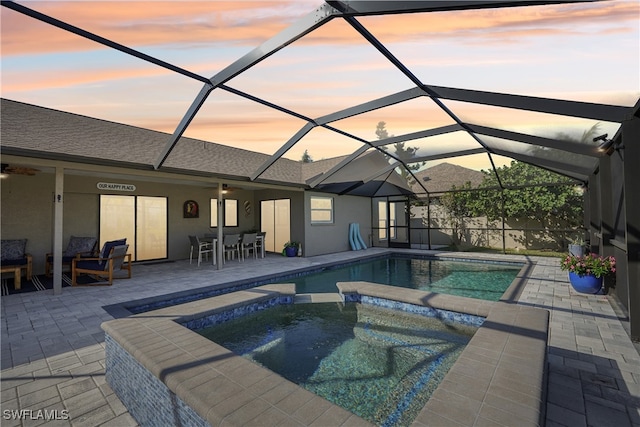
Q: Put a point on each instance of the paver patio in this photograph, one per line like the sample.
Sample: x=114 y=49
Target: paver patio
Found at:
x=53 y=346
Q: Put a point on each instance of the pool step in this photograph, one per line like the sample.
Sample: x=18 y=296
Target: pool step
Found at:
x=310 y=298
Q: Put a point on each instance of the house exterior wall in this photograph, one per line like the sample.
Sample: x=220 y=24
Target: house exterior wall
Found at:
x=87 y=200
x=27 y=210
x=330 y=238
x=27 y=213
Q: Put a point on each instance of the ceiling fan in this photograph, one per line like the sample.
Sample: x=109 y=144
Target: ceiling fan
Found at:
x=17 y=170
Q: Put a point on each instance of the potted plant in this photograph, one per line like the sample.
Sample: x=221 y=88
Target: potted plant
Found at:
x=291 y=249
x=587 y=272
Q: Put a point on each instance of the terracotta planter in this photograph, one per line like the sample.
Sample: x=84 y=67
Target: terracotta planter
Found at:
x=587 y=284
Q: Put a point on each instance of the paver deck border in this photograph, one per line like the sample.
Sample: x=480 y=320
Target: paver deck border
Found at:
x=53 y=348
x=203 y=375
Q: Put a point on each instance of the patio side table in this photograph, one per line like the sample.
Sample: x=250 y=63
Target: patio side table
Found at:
x=16 y=273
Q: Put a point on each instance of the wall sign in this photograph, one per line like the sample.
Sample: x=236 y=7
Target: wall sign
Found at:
x=115 y=187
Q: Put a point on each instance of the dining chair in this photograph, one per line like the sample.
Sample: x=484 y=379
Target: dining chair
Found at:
x=203 y=248
x=260 y=242
x=231 y=246
x=249 y=243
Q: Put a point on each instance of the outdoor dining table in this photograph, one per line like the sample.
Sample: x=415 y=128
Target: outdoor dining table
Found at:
x=213 y=239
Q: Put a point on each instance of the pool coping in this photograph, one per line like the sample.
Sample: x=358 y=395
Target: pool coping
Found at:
x=181 y=297
x=501 y=374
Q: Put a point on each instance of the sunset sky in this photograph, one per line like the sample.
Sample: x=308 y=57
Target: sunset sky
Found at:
x=581 y=51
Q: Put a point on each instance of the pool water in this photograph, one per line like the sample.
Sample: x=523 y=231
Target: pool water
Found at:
x=381 y=364
x=479 y=280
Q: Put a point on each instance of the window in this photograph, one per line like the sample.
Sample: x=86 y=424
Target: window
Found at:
x=321 y=210
x=230 y=213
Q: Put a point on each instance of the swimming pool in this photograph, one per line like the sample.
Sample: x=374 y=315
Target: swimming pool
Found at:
x=487 y=280
x=380 y=364
x=471 y=279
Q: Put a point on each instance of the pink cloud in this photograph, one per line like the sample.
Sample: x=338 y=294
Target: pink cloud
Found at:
x=146 y=24
x=506 y=24
x=250 y=23
x=24 y=82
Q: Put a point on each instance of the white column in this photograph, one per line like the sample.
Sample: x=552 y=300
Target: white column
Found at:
x=58 y=204
x=220 y=250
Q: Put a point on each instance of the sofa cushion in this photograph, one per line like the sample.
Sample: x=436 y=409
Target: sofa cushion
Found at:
x=12 y=249
x=91 y=265
x=18 y=261
x=79 y=245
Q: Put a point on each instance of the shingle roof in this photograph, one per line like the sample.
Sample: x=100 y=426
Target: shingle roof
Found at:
x=443 y=176
x=312 y=169
x=62 y=135
x=32 y=130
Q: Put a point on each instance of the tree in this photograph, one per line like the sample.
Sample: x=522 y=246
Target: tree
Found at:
x=306 y=158
x=550 y=207
x=400 y=150
x=587 y=135
x=460 y=206
x=566 y=156
x=547 y=204
x=381 y=131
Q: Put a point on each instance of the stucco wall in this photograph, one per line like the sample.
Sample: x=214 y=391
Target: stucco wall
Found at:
x=27 y=211
x=330 y=238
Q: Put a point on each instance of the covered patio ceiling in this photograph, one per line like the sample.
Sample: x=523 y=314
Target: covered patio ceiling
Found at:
x=475 y=83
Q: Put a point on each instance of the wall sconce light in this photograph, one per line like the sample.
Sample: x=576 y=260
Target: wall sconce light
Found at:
x=607 y=146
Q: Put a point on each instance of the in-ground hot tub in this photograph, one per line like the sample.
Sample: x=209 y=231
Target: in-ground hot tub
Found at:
x=379 y=363
x=167 y=374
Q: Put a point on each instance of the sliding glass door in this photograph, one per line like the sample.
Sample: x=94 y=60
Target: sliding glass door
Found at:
x=151 y=228
x=391 y=222
x=141 y=220
x=275 y=220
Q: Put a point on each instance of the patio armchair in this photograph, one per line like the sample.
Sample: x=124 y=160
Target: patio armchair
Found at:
x=103 y=266
x=78 y=247
x=203 y=248
x=14 y=259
